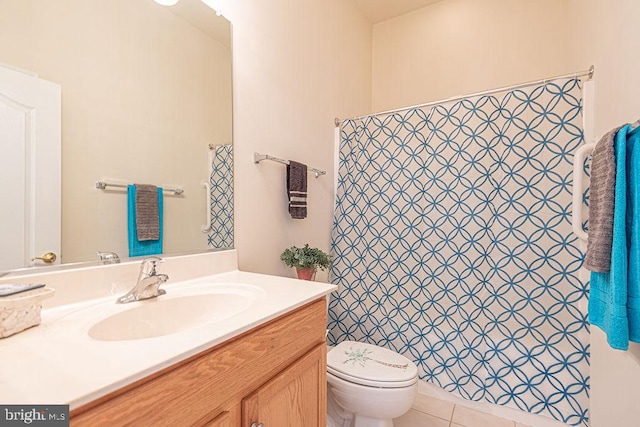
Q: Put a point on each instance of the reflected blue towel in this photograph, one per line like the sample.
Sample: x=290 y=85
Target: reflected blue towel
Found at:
x=137 y=247
x=614 y=301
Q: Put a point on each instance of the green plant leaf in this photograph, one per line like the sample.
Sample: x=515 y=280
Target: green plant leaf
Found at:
x=306 y=257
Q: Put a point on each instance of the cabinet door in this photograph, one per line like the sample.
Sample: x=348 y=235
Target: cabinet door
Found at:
x=294 y=398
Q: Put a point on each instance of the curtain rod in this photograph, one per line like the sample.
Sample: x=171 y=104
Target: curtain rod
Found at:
x=588 y=72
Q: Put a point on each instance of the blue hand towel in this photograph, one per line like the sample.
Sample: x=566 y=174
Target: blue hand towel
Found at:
x=137 y=247
x=633 y=233
x=608 y=294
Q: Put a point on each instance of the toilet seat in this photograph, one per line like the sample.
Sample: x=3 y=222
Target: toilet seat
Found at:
x=369 y=383
x=369 y=365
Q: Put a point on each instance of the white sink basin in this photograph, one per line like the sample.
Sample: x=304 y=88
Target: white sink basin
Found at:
x=175 y=312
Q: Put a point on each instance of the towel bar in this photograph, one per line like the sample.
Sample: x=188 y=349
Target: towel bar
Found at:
x=102 y=185
x=576 y=208
x=257 y=158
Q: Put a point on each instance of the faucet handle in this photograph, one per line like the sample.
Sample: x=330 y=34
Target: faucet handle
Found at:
x=148 y=266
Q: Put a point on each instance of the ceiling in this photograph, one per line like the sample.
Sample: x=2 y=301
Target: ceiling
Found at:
x=382 y=10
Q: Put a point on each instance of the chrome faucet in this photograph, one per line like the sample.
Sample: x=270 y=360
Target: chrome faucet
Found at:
x=148 y=284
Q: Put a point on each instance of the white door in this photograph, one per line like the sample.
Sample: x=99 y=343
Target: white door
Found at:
x=30 y=144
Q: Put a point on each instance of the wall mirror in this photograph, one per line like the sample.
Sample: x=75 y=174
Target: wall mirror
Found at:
x=144 y=97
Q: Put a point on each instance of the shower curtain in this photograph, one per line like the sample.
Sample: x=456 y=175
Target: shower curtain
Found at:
x=452 y=245
x=221 y=179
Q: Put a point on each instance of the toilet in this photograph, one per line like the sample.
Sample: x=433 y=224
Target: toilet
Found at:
x=368 y=386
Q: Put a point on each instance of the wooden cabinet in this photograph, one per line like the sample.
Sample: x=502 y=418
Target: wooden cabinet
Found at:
x=295 y=397
x=274 y=374
x=223 y=420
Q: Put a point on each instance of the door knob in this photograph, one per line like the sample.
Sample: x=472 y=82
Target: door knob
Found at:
x=257 y=425
x=47 y=258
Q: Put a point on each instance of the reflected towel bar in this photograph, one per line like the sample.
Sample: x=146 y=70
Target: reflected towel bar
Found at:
x=102 y=185
x=207 y=227
x=257 y=158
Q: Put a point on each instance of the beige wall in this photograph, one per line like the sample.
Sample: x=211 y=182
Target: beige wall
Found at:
x=606 y=33
x=457 y=47
x=143 y=94
x=297 y=65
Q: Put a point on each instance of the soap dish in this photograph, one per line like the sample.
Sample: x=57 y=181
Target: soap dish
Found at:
x=22 y=310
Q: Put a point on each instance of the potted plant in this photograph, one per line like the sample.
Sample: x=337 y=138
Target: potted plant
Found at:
x=306 y=261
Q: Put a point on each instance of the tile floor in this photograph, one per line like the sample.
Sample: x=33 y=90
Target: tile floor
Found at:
x=431 y=412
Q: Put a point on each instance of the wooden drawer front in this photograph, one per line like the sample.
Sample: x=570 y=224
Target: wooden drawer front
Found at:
x=196 y=390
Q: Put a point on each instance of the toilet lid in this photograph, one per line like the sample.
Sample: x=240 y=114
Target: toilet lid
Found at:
x=371 y=365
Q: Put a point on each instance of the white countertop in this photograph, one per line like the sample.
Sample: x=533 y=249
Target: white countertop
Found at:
x=57 y=362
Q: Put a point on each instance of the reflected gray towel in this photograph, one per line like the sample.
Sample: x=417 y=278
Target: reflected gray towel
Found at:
x=147 y=215
x=601 y=204
x=297 y=189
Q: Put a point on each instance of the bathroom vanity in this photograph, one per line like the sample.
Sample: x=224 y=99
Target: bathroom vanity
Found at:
x=249 y=379
x=264 y=363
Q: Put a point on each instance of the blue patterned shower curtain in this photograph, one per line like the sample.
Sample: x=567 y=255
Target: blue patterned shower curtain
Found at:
x=452 y=245
x=221 y=180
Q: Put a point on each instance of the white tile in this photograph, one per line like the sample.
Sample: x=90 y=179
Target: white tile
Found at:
x=419 y=419
x=432 y=406
x=469 y=418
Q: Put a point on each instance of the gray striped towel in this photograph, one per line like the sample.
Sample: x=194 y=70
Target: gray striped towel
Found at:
x=147 y=214
x=601 y=204
x=297 y=189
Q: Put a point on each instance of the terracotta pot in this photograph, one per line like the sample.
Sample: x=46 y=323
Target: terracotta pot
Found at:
x=306 y=273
